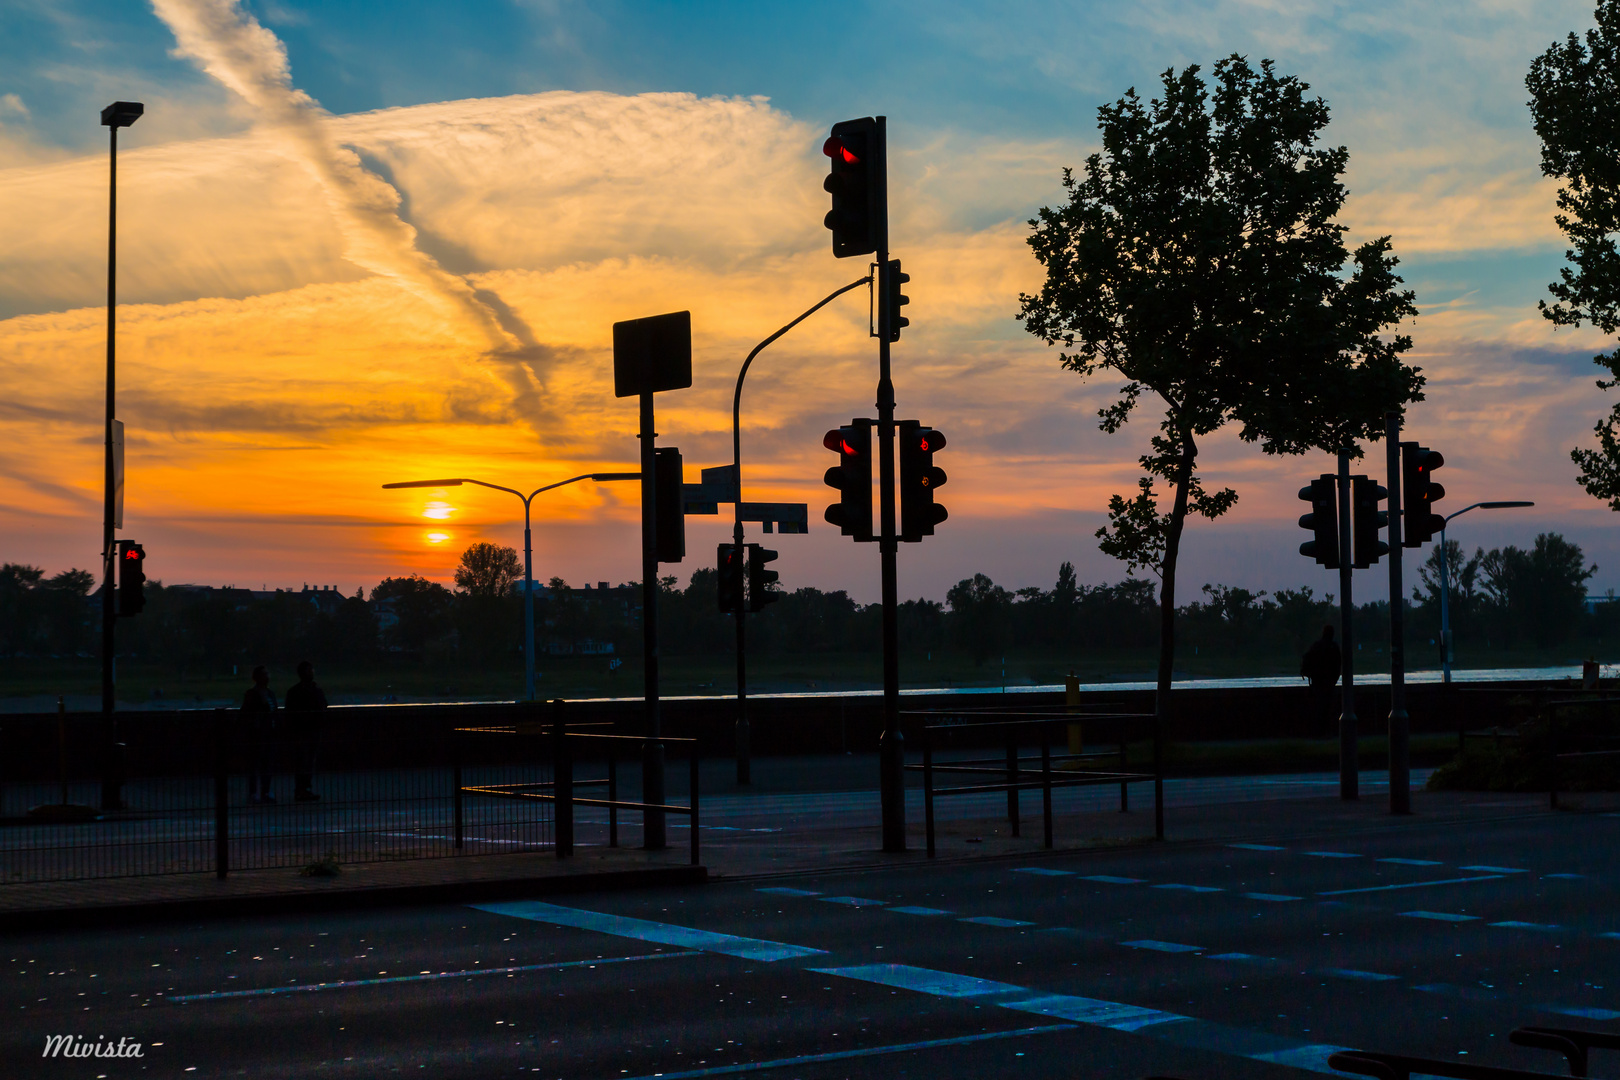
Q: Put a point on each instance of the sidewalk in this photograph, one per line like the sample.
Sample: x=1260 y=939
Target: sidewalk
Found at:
x=799 y=816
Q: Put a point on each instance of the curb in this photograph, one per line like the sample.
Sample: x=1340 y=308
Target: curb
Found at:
x=309 y=903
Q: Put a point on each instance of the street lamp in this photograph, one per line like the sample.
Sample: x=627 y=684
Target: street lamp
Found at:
x=528 y=549
x=1445 y=559
x=118 y=114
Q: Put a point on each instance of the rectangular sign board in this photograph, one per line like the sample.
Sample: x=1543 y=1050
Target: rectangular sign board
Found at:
x=652 y=354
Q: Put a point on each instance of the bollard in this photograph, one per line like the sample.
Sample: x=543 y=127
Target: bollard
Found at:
x=562 y=781
x=222 y=821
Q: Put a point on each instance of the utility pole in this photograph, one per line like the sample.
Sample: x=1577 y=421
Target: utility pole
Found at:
x=1347 y=611
x=1400 y=778
x=652 y=750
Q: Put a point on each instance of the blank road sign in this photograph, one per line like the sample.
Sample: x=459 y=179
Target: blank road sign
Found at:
x=652 y=354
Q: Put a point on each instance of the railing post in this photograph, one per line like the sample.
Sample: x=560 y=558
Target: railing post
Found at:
x=456 y=779
x=695 y=761
x=1012 y=778
x=928 y=787
x=1552 y=752
x=1046 y=780
x=1124 y=761
x=562 y=781
x=613 y=795
x=222 y=792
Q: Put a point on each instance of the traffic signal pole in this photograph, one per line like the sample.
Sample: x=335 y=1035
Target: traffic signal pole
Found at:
x=1400 y=790
x=1347 y=611
x=652 y=751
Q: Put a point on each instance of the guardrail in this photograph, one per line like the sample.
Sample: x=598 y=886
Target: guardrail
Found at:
x=559 y=791
x=1011 y=766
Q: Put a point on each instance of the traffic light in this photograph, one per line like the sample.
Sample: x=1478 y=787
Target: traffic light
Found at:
x=1323 y=521
x=896 y=299
x=1419 y=493
x=761 y=580
x=131 y=577
x=728 y=564
x=1365 y=495
x=852 y=476
x=670 y=516
x=856 y=183
x=919 y=478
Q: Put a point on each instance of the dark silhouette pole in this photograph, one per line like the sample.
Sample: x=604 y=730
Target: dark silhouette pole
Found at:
x=652 y=752
x=1400 y=773
x=118 y=114
x=743 y=762
x=1348 y=765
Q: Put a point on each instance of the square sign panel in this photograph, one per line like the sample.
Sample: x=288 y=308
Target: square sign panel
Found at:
x=652 y=354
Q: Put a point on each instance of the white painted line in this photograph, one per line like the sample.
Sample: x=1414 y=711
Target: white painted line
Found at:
x=1334 y=854
x=1413 y=885
x=920 y=910
x=1274 y=897
x=1108 y=879
x=1240 y=957
x=783 y=891
x=644 y=930
x=851 y=901
x=1413 y=862
x=1352 y=973
x=1043 y=871
x=1161 y=946
x=1191 y=888
x=1585 y=1013
x=1609 y=934
x=1493 y=869
x=1564 y=877
x=1440 y=916
x=992 y=920
x=1257 y=847
x=1514 y=924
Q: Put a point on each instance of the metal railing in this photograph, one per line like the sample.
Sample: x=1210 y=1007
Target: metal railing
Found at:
x=1012 y=767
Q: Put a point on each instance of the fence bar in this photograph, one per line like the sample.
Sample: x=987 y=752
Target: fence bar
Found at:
x=1124 y=788
x=457 y=800
x=563 y=781
x=1046 y=788
x=222 y=796
x=694 y=760
x=928 y=789
x=1012 y=778
x=613 y=797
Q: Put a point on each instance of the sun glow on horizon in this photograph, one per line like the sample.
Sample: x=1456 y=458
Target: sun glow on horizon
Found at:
x=438 y=510
x=437 y=537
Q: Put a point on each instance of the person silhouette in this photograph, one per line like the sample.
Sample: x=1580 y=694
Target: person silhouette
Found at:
x=305 y=703
x=1322 y=666
x=259 y=714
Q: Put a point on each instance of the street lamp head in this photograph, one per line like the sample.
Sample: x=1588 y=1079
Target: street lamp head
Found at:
x=1503 y=505
x=122 y=114
x=426 y=483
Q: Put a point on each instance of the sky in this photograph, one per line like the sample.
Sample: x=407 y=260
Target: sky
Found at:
x=361 y=243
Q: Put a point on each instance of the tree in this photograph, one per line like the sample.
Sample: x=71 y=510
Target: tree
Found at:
x=421 y=606
x=488 y=570
x=1573 y=89
x=1542 y=590
x=979 y=609
x=1198 y=258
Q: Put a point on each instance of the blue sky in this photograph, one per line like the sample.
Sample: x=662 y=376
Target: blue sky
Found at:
x=986 y=105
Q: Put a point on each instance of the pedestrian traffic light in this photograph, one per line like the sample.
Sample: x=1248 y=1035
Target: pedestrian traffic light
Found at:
x=1419 y=493
x=896 y=299
x=670 y=509
x=852 y=476
x=1323 y=521
x=919 y=478
x=857 y=184
x=729 y=568
x=761 y=582
x=131 y=577
x=1365 y=495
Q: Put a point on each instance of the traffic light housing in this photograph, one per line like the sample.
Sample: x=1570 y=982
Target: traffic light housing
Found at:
x=131 y=577
x=1419 y=493
x=852 y=477
x=856 y=183
x=761 y=580
x=670 y=509
x=919 y=479
x=1366 y=519
x=896 y=299
x=729 y=571
x=1322 y=521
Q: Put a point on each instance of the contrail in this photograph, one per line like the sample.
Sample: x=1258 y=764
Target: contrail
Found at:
x=232 y=46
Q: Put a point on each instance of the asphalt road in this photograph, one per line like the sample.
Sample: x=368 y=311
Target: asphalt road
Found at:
x=1198 y=961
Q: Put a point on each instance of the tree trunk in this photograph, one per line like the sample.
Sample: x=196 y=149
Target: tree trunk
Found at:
x=1167 y=620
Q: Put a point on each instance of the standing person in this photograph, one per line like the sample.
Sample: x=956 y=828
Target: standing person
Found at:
x=1323 y=664
x=259 y=709
x=305 y=702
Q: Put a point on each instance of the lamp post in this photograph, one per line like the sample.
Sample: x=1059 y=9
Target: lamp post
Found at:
x=118 y=114
x=528 y=549
x=1445 y=602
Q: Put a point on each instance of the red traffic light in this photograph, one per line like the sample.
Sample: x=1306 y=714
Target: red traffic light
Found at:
x=135 y=553
x=835 y=148
x=834 y=440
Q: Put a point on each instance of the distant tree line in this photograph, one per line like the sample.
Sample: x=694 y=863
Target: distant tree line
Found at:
x=1506 y=597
